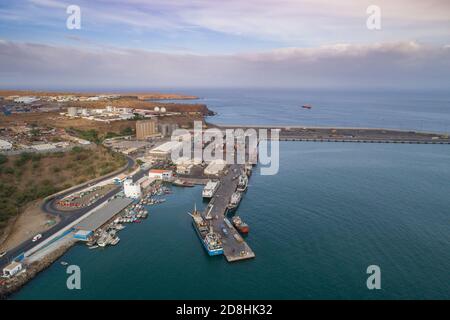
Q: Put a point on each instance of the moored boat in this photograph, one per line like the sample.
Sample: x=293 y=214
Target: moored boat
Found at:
x=210 y=188
x=235 y=200
x=210 y=240
x=242 y=183
x=241 y=226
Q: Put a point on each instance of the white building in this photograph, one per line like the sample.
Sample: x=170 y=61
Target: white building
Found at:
x=26 y=100
x=164 y=151
x=72 y=111
x=215 y=167
x=126 y=116
x=132 y=189
x=12 y=269
x=164 y=175
x=5 y=145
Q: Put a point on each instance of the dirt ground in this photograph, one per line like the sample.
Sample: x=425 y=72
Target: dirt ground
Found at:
x=29 y=223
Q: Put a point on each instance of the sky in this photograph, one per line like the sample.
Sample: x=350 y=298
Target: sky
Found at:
x=232 y=43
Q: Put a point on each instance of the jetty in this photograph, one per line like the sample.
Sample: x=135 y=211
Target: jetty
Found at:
x=234 y=246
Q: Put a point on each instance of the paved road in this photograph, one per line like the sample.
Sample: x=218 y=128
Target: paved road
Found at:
x=66 y=217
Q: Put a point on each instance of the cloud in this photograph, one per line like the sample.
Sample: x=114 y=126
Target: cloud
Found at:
x=284 y=22
x=407 y=65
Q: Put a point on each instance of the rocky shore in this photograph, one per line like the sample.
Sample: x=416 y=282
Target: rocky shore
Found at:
x=9 y=286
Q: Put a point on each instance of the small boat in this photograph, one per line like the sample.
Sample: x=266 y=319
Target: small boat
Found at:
x=64 y=263
x=307 y=106
x=241 y=226
x=115 y=241
x=243 y=183
x=235 y=200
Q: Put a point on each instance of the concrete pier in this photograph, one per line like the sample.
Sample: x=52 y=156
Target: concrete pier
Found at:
x=234 y=249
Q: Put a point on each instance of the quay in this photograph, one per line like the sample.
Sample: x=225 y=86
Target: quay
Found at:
x=354 y=135
x=234 y=250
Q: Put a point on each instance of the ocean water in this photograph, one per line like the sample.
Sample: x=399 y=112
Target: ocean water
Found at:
x=331 y=211
x=407 y=110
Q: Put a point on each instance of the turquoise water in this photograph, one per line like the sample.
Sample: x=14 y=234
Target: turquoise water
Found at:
x=332 y=210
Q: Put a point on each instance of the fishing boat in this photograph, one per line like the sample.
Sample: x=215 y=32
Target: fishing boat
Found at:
x=241 y=226
x=210 y=240
x=242 y=183
x=210 y=188
x=235 y=200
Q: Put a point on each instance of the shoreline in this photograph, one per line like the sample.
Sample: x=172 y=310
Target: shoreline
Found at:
x=33 y=269
x=289 y=133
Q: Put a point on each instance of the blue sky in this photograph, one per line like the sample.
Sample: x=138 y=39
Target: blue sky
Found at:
x=283 y=37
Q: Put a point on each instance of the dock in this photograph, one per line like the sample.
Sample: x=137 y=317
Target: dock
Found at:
x=234 y=250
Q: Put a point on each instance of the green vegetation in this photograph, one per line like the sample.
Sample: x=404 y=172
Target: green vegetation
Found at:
x=128 y=131
x=93 y=135
x=30 y=176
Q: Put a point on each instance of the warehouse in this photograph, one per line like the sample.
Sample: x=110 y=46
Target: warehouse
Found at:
x=164 y=175
x=83 y=235
x=12 y=269
x=164 y=151
x=215 y=167
x=104 y=214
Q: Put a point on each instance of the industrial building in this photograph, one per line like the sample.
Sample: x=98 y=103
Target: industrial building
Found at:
x=104 y=214
x=215 y=167
x=26 y=100
x=185 y=164
x=164 y=151
x=166 y=129
x=164 y=175
x=72 y=111
x=12 y=269
x=83 y=235
x=146 y=129
x=132 y=189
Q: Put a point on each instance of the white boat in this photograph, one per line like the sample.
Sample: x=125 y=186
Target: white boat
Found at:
x=210 y=188
x=242 y=183
x=115 y=241
x=235 y=200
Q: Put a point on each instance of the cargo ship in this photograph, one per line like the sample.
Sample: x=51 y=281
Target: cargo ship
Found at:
x=242 y=183
x=210 y=188
x=235 y=200
x=241 y=226
x=210 y=240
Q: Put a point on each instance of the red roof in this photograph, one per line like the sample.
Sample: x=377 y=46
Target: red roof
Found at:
x=159 y=171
